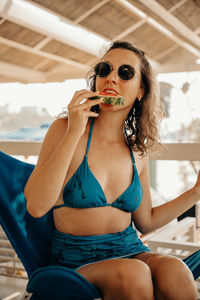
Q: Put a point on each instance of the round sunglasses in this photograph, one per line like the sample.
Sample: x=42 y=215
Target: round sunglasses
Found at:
x=125 y=72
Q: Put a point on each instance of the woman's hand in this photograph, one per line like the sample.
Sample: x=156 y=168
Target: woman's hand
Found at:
x=80 y=112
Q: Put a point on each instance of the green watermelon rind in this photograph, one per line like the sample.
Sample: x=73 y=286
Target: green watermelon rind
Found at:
x=110 y=100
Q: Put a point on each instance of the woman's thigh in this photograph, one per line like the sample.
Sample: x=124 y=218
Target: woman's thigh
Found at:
x=123 y=276
x=171 y=277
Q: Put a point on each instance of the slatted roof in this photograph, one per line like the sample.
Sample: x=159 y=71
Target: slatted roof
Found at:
x=167 y=30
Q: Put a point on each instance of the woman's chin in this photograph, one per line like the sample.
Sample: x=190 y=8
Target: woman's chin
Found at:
x=107 y=107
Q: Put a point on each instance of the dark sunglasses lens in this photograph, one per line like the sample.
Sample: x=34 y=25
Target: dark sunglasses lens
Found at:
x=126 y=72
x=102 y=69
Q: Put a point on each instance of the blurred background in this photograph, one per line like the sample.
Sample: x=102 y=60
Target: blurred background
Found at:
x=47 y=47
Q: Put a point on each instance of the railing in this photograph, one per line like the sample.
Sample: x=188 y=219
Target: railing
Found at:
x=10 y=265
x=168 y=151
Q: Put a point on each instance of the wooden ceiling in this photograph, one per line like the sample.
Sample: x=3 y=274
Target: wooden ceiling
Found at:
x=167 y=30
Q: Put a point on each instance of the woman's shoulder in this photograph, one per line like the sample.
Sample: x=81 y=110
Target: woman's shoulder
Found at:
x=52 y=138
x=60 y=122
x=55 y=132
x=139 y=157
x=141 y=161
x=59 y=126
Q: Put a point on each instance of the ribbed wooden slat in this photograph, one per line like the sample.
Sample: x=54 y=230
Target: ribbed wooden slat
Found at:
x=6 y=250
x=188 y=12
x=58 y=48
x=110 y=20
x=48 y=65
x=178 y=56
x=150 y=40
x=168 y=3
x=4 y=242
x=7 y=258
x=20 y=34
x=72 y=9
x=19 y=57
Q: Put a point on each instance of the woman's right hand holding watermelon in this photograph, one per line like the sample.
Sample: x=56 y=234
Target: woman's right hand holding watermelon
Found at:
x=79 y=111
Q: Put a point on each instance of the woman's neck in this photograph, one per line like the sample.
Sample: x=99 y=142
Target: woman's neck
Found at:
x=110 y=126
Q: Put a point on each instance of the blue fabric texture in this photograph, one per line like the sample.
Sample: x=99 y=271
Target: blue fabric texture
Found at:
x=193 y=263
x=61 y=283
x=83 y=189
x=30 y=237
x=76 y=251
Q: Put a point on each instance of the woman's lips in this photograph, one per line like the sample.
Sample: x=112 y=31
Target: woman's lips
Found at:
x=111 y=91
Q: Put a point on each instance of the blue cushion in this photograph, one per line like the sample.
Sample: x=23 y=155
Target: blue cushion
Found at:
x=30 y=237
x=57 y=282
x=193 y=263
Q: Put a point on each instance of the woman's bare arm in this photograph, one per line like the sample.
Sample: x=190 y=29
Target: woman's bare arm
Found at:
x=45 y=184
x=148 y=219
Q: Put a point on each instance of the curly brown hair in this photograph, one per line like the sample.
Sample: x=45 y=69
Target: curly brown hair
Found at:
x=143 y=120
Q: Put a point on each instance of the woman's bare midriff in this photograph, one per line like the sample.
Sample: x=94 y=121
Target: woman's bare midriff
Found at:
x=91 y=221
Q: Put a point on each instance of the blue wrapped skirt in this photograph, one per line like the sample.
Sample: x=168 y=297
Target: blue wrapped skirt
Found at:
x=77 y=251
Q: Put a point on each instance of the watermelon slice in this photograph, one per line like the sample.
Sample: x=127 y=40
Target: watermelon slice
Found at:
x=109 y=98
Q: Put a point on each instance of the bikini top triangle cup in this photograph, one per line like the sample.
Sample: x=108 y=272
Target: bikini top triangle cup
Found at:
x=84 y=191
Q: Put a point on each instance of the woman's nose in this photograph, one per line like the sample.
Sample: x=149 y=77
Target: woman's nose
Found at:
x=112 y=77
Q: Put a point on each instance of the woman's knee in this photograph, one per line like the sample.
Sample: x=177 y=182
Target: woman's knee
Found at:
x=121 y=279
x=131 y=277
x=173 y=279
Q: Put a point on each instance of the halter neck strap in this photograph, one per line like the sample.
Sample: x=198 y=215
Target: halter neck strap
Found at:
x=90 y=135
x=131 y=151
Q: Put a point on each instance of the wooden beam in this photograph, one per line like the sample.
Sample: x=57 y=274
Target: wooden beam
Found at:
x=178 y=151
x=47 y=28
x=165 y=52
x=42 y=53
x=2 y=21
x=91 y=11
x=25 y=148
x=132 y=9
x=129 y=30
x=172 y=20
x=20 y=73
x=43 y=42
x=177 y=5
x=61 y=72
x=197 y=31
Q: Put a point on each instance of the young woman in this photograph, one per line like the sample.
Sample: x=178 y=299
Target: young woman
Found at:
x=93 y=170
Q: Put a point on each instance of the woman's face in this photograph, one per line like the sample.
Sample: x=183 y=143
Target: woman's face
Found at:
x=129 y=89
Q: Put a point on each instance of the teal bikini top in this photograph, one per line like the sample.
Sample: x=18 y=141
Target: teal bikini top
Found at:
x=83 y=189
